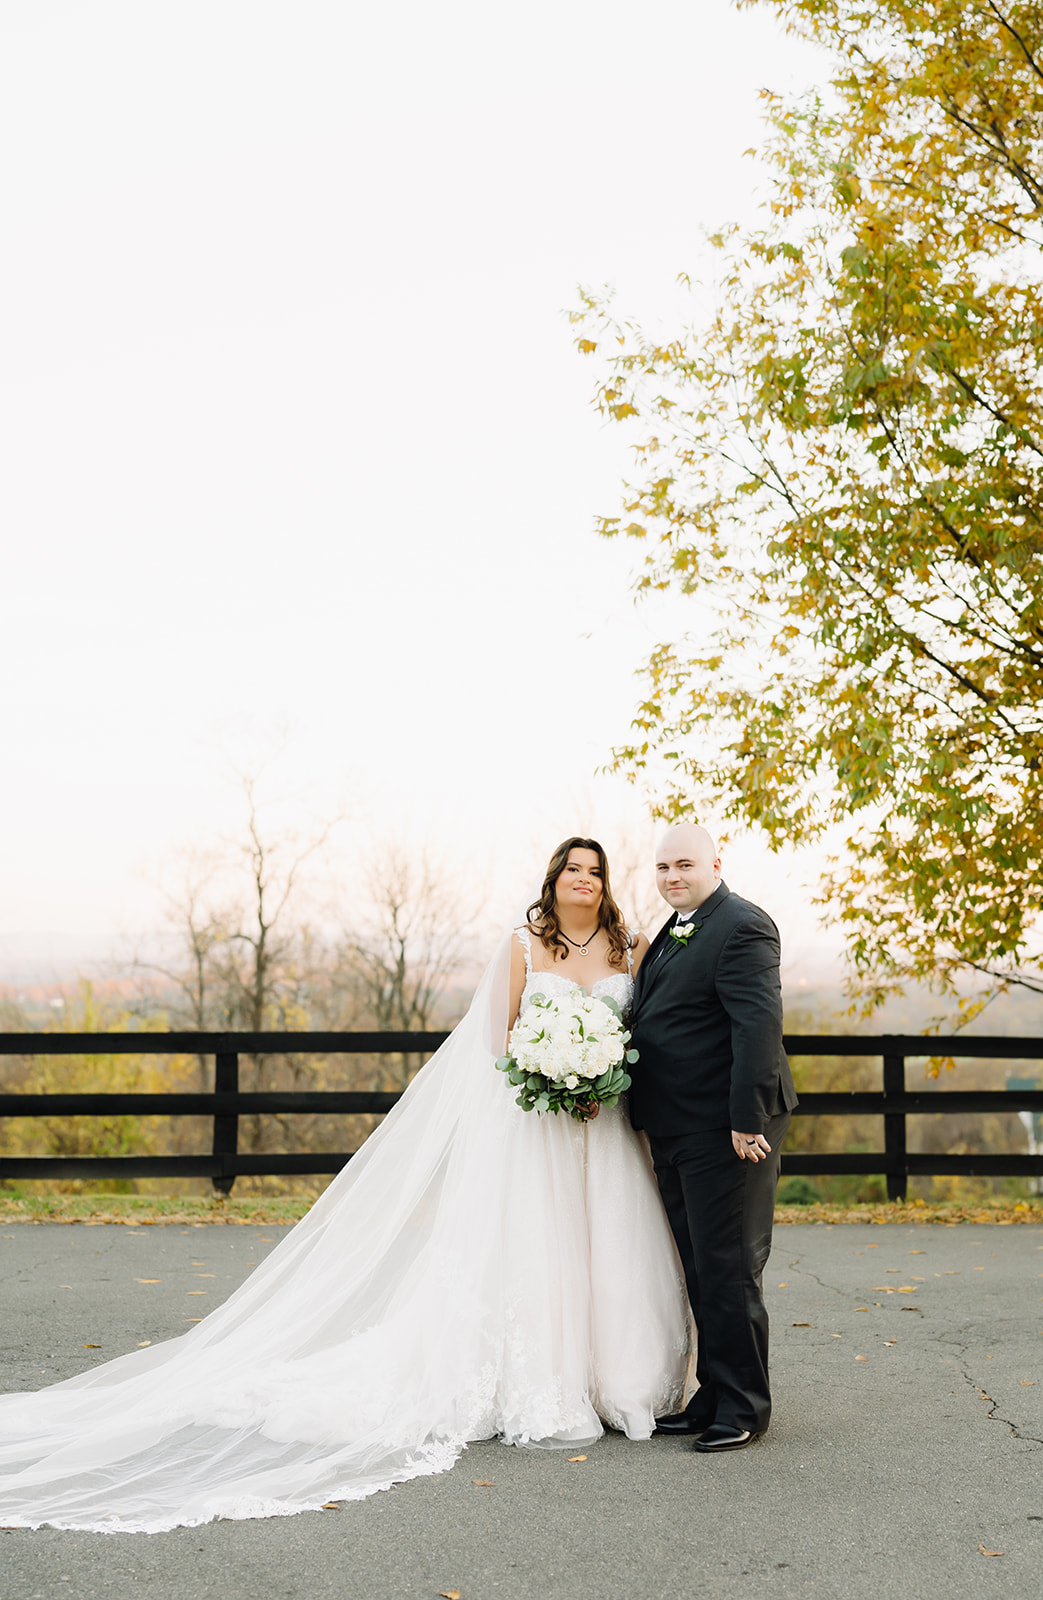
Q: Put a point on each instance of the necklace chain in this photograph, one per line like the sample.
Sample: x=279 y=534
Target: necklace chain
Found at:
x=582 y=948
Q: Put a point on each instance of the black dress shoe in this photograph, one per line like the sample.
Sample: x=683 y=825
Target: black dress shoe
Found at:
x=722 y=1436
x=681 y=1422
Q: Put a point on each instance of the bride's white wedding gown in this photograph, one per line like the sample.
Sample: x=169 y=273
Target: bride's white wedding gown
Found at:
x=475 y=1271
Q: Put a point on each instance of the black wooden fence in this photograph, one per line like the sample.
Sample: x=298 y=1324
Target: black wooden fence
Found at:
x=225 y=1104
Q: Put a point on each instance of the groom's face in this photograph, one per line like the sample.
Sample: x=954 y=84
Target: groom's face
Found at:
x=688 y=868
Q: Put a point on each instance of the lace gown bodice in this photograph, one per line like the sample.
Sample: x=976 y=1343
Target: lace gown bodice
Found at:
x=617 y=986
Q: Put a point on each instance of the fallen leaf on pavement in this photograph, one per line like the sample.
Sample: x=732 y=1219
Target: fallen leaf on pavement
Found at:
x=332 y=1505
x=92 y=1347
x=148 y=1280
x=449 y=1594
x=577 y=1458
x=861 y=1358
x=802 y=1324
x=1028 y=1383
x=985 y=1552
x=483 y=1483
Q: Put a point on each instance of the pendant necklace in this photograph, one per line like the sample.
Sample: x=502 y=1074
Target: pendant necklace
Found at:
x=582 y=948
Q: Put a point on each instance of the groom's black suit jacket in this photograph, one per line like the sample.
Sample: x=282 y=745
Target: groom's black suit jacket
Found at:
x=708 y=1025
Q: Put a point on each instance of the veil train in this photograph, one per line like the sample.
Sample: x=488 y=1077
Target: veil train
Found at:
x=436 y=1293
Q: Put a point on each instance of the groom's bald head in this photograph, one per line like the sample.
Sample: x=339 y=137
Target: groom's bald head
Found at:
x=690 y=837
x=688 y=868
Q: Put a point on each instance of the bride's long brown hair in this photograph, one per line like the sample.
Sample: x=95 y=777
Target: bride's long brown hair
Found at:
x=542 y=915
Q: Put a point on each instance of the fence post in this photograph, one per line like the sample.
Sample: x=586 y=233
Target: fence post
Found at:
x=894 y=1130
x=226 y=1127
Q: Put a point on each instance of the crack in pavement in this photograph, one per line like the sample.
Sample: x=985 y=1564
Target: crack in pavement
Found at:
x=960 y=1352
x=829 y=1287
x=1029 y=1438
x=993 y=1413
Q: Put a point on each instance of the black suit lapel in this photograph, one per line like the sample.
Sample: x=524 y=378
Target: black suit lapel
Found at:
x=659 y=958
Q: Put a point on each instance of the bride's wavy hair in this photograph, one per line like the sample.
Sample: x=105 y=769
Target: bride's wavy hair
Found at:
x=542 y=915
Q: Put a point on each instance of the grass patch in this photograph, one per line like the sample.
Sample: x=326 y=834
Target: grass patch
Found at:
x=275 y=1210
x=143 y=1210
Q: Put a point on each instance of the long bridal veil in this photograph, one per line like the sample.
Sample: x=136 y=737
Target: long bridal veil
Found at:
x=437 y=1292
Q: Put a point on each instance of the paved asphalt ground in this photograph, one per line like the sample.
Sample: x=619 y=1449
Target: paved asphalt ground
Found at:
x=908 y=1368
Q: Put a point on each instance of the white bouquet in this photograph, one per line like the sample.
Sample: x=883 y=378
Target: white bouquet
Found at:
x=569 y=1055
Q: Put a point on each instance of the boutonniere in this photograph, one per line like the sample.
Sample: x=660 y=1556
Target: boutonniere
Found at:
x=682 y=931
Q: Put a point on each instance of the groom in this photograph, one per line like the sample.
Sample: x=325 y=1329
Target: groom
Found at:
x=712 y=1089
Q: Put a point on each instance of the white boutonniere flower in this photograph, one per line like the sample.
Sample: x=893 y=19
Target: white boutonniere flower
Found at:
x=682 y=931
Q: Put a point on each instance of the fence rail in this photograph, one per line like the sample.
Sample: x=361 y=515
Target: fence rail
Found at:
x=225 y=1104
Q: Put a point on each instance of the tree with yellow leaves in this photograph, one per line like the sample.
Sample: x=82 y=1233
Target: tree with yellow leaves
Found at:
x=844 y=470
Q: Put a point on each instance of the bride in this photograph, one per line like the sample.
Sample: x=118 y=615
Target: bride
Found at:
x=475 y=1271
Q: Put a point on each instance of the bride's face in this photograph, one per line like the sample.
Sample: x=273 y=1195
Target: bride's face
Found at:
x=578 y=884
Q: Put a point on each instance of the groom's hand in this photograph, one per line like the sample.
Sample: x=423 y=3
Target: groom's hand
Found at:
x=750 y=1146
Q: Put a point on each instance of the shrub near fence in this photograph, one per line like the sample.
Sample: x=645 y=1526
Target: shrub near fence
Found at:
x=225 y=1104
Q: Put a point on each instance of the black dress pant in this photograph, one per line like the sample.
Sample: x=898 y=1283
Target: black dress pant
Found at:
x=721 y=1212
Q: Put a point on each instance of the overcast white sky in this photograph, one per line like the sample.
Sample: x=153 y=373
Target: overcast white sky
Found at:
x=296 y=434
